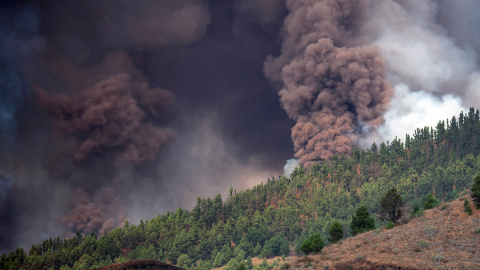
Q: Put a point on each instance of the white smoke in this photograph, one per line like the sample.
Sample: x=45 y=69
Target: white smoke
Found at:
x=412 y=110
x=435 y=77
x=290 y=166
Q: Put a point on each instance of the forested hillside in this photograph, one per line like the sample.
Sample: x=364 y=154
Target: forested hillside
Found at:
x=270 y=217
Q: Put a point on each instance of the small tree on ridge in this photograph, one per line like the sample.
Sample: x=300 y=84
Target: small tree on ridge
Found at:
x=361 y=221
x=391 y=206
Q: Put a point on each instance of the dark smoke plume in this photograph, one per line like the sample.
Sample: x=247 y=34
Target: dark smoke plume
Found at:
x=332 y=85
x=98 y=70
x=101 y=213
x=120 y=111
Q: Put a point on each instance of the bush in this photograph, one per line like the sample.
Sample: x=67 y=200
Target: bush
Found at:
x=361 y=221
x=390 y=225
x=468 y=209
x=431 y=202
x=476 y=192
x=438 y=258
x=336 y=232
x=416 y=211
x=313 y=244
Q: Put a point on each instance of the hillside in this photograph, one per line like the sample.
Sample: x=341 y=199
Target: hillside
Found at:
x=443 y=238
x=267 y=219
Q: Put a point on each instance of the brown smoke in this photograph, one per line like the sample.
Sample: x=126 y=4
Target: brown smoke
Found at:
x=332 y=86
x=119 y=111
x=94 y=215
x=169 y=21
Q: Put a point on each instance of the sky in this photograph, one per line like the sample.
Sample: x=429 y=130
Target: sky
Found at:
x=113 y=110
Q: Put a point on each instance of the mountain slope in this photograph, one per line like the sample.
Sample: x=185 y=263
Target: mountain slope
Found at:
x=443 y=238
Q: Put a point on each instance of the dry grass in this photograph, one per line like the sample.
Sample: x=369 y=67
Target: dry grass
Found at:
x=443 y=238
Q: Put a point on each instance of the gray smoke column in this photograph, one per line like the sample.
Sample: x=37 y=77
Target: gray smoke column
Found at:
x=333 y=85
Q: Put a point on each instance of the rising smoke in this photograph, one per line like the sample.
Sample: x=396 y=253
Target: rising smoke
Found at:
x=126 y=109
x=118 y=110
x=333 y=84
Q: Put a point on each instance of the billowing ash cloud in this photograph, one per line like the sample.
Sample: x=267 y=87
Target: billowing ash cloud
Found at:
x=101 y=213
x=109 y=103
x=332 y=85
x=119 y=111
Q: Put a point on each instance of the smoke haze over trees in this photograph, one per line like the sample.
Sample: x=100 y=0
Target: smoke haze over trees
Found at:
x=126 y=109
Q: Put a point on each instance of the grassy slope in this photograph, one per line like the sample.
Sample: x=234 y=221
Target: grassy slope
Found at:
x=443 y=238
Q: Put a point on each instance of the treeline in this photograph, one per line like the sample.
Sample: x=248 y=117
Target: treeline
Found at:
x=273 y=217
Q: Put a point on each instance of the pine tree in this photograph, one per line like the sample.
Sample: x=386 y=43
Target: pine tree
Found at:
x=361 y=221
x=336 y=232
x=431 y=202
x=391 y=206
x=313 y=243
x=468 y=209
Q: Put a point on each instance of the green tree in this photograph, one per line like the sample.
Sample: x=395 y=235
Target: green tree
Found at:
x=184 y=261
x=468 y=209
x=361 y=221
x=232 y=265
x=277 y=245
x=391 y=206
x=336 y=232
x=431 y=202
x=476 y=192
x=257 y=249
x=313 y=244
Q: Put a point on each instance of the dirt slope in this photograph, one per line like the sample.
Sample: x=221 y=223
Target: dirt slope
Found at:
x=443 y=238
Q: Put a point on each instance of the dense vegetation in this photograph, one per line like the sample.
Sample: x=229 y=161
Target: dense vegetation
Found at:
x=268 y=218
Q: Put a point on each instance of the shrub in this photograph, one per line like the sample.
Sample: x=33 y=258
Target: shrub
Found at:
x=314 y=244
x=468 y=209
x=390 y=225
x=418 y=213
x=361 y=221
x=336 y=232
x=476 y=192
x=360 y=257
x=438 y=257
x=416 y=209
x=422 y=244
x=477 y=230
x=431 y=202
